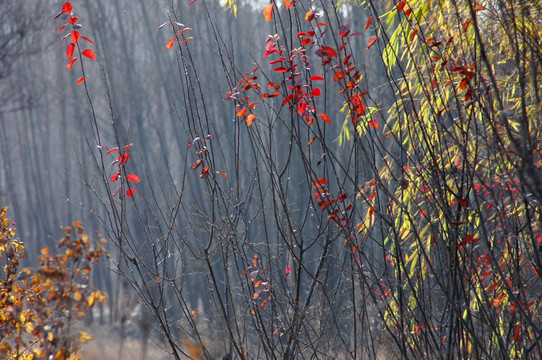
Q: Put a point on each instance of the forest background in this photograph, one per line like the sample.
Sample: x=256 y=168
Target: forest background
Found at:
x=292 y=179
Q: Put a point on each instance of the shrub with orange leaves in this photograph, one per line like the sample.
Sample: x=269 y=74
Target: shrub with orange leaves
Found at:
x=38 y=307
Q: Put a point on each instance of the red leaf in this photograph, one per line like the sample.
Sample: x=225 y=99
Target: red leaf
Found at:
x=462 y=202
x=132 y=178
x=127 y=147
x=368 y=23
x=112 y=151
x=268 y=12
x=67 y=8
x=315 y=92
x=191 y=2
x=73 y=20
x=325 y=118
x=70 y=64
x=196 y=164
x=114 y=177
x=401 y=5
x=87 y=39
x=69 y=51
x=170 y=43
x=75 y=36
x=371 y=41
x=124 y=158
x=130 y=192
x=250 y=119
x=186 y=40
x=374 y=124
x=318 y=183
x=89 y=53
x=317 y=78
x=288 y=270
x=80 y=80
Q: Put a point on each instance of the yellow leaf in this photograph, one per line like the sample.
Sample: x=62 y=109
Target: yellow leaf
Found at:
x=84 y=337
x=77 y=296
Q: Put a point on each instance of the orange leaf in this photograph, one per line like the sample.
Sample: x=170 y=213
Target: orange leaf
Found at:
x=186 y=40
x=268 y=12
x=311 y=141
x=463 y=84
x=242 y=112
x=132 y=178
x=479 y=8
x=204 y=172
x=170 y=43
x=325 y=118
x=310 y=15
x=250 y=119
x=255 y=262
x=89 y=53
x=466 y=24
x=371 y=41
x=196 y=164
x=288 y=4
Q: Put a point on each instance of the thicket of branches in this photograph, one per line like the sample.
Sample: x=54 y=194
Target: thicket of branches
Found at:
x=335 y=211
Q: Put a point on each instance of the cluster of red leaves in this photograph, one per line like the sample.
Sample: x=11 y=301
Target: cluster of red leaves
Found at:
x=198 y=144
x=74 y=35
x=179 y=37
x=37 y=307
x=120 y=164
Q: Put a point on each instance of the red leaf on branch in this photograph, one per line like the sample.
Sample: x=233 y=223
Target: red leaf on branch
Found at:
x=132 y=178
x=288 y=4
x=374 y=124
x=89 y=53
x=317 y=78
x=114 y=177
x=87 y=39
x=401 y=5
x=80 y=80
x=73 y=20
x=70 y=64
x=268 y=12
x=127 y=147
x=124 y=158
x=70 y=50
x=288 y=270
x=67 y=8
x=315 y=92
x=371 y=41
x=368 y=23
x=75 y=36
x=130 y=192
x=112 y=151
x=186 y=40
x=462 y=202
